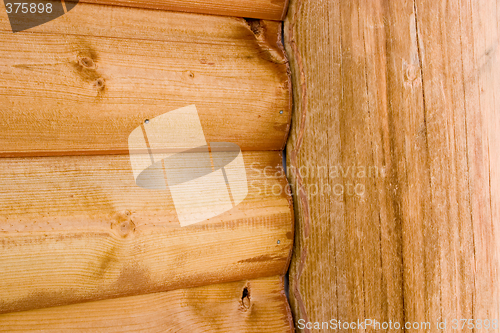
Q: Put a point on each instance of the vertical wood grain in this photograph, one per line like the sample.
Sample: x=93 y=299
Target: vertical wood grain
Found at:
x=409 y=88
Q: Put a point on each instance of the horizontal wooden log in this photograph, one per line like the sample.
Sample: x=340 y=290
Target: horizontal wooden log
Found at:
x=258 y=9
x=76 y=229
x=81 y=83
x=248 y=306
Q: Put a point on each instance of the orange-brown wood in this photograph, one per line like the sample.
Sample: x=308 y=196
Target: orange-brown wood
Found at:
x=247 y=306
x=399 y=98
x=81 y=83
x=82 y=246
x=77 y=229
x=258 y=9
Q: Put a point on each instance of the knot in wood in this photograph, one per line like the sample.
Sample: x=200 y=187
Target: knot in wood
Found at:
x=411 y=73
x=99 y=83
x=245 y=299
x=123 y=224
x=86 y=62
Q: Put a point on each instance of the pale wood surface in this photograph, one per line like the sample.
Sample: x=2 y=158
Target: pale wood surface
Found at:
x=410 y=88
x=75 y=229
x=258 y=9
x=81 y=83
x=215 y=308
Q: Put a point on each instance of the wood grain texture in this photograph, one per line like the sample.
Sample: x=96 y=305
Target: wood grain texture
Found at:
x=408 y=90
x=257 y=9
x=81 y=83
x=76 y=229
x=215 y=308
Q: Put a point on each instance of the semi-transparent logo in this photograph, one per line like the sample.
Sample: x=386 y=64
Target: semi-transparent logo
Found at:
x=26 y=14
x=204 y=179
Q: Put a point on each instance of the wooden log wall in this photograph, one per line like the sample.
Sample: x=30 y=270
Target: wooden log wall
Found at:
x=214 y=308
x=258 y=9
x=119 y=66
x=395 y=159
x=75 y=228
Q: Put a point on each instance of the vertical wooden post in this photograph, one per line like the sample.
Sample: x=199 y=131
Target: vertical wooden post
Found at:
x=394 y=156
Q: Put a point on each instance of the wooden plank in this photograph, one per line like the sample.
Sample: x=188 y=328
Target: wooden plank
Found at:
x=257 y=9
x=263 y=307
x=80 y=84
x=409 y=90
x=76 y=229
x=461 y=72
x=336 y=161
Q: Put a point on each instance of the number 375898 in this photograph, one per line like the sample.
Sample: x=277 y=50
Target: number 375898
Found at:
x=25 y=8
